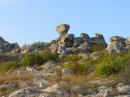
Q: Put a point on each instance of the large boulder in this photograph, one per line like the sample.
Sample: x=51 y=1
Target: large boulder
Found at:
x=117 y=38
x=26 y=92
x=5 y=46
x=84 y=36
x=117 y=44
x=57 y=89
x=68 y=40
x=14 y=47
x=84 y=48
x=77 y=41
x=54 y=47
x=98 y=40
x=115 y=48
x=26 y=48
x=124 y=89
x=62 y=29
x=3 y=43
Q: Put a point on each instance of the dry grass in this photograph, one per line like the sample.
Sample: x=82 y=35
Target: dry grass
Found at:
x=6 y=78
x=78 y=80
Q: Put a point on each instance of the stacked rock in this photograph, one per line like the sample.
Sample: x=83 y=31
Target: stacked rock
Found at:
x=5 y=46
x=117 y=44
x=69 y=44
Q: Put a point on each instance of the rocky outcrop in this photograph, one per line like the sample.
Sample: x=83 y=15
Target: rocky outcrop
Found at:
x=118 y=44
x=69 y=44
x=5 y=46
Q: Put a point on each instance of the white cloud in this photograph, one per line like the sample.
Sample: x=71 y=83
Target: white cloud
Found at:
x=7 y=1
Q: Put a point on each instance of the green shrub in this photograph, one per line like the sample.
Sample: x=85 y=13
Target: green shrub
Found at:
x=109 y=64
x=86 y=66
x=125 y=74
x=72 y=57
x=82 y=67
x=47 y=55
x=97 y=47
x=39 y=45
x=72 y=66
x=31 y=59
x=9 y=65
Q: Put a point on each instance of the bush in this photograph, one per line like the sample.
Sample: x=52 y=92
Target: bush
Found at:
x=39 y=45
x=72 y=66
x=109 y=64
x=86 y=66
x=72 y=57
x=82 y=67
x=47 y=55
x=31 y=59
x=97 y=47
x=125 y=74
x=9 y=65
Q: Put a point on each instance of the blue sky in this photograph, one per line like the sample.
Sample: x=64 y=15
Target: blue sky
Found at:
x=28 y=21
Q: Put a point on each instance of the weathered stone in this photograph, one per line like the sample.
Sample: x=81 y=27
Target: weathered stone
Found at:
x=67 y=40
x=66 y=71
x=54 y=48
x=84 y=36
x=46 y=95
x=117 y=38
x=57 y=90
x=124 y=89
x=123 y=96
x=84 y=48
x=49 y=65
x=128 y=39
x=115 y=48
x=26 y=92
x=77 y=41
x=7 y=47
x=69 y=44
x=26 y=49
x=105 y=93
x=63 y=29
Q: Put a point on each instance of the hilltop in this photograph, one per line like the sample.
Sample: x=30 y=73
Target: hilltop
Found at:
x=68 y=66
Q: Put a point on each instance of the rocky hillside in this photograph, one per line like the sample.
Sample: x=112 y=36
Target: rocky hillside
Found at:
x=68 y=66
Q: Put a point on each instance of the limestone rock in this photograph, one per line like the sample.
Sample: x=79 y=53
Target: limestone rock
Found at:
x=77 y=41
x=46 y=95
x=115 y=48
x=105 y=93
x=117 y=38
x=63 y=29
x=54 y=48
x=124 y=89
x=26 y=92
x=84 y=36
x=67 y=71
x=69 y=44
x=57 y=90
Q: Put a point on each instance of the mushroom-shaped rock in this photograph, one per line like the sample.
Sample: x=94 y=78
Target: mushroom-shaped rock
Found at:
x=62 y=29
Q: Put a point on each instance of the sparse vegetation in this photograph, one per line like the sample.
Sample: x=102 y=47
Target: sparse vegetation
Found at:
x=109 y=64
x=9 y=65
x=39 y=45
x=31 y=59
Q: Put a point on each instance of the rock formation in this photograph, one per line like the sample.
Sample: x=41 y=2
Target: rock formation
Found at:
x=5 y=46
x=69 y=44
x=118 y=44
